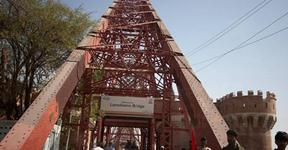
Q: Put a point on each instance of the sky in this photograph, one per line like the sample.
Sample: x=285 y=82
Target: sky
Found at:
x=260 y=66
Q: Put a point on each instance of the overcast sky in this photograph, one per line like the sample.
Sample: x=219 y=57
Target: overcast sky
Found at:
x=260 y=66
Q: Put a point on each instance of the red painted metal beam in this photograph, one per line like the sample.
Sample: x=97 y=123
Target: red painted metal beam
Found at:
x=136 y=124
x=205 y=117
x=32 y=129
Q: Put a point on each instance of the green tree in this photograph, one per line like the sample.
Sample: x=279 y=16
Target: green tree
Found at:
x=36 y=36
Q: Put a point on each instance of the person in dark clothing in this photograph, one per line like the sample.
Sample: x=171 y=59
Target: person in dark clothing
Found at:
x=232 y=141
x=128 y=145
x=134 y=146
x=203 y=144
x=281 y=140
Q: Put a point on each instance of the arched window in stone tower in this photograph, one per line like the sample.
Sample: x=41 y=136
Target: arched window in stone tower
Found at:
x=240 y=120
x=250 y=121
x=270 y=122
x=261 y=120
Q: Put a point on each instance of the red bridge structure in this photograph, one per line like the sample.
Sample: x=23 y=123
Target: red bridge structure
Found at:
x=131 y=57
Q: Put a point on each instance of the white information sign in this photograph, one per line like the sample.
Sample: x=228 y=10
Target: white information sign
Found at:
x=127 y=105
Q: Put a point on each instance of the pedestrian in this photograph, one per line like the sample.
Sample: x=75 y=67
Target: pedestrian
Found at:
x=109 y=146
x=232 y=141
x=99 y=146
x=281 y=140
x=203 y=144
x=134 y=146
x=128 y=145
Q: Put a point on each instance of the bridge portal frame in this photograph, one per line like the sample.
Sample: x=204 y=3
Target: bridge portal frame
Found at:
x=32 y=129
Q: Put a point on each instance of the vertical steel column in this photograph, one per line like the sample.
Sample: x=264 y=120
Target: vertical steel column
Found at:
x=85 y=110
x=100 y=129
x=166 y=129
x=108 y=135
x=152 y=138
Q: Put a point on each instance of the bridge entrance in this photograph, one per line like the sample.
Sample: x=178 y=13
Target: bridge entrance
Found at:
x=126 y=121
x=128 y=132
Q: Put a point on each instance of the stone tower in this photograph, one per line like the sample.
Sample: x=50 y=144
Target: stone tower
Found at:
x=252 y=116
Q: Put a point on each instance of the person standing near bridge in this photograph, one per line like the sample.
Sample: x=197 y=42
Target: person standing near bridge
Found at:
x=281 y=140
x=109 y=146
x=99 y=146
x=232 y=141
x=203 y=145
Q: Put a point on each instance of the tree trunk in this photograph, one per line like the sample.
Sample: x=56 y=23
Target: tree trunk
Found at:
x=28 y=89
x=12 y=97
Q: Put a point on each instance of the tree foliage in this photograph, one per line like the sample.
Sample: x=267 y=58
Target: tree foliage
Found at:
x=36 y=37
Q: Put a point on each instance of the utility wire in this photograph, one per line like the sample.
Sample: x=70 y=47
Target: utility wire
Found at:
x=265 y=37
x=255 y=41
x=229 y=28
x=219 y=56
x=206 y=60
x=243 y=44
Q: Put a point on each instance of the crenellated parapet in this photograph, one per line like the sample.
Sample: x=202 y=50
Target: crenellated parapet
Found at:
x=247 y=103
x=252 y=115
x=269 y=95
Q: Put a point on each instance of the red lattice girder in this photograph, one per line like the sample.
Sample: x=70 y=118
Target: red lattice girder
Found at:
x=136 y=56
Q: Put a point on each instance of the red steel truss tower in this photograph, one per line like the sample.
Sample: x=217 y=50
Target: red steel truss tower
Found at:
x=136 y=56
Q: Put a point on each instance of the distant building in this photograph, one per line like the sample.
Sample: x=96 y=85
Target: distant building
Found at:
x=252 y=116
